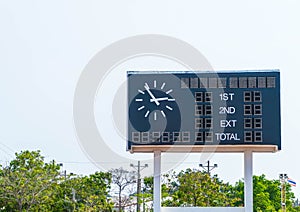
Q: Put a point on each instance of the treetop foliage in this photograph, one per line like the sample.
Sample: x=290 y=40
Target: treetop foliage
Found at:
x=28 y=183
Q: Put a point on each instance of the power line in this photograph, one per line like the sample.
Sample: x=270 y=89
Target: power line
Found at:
x=109 y=162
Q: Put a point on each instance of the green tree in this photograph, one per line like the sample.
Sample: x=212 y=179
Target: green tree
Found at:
x=192 y=188
x=147 y=190
x=28 y=183
x=197 y=188
x=94 y=191
x=168 y=187
x=84 y=193
x=266 y=194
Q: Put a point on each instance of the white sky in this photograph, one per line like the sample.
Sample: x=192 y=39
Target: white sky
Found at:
x=44 y=47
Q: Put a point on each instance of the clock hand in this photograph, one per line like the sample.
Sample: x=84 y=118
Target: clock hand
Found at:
x=151 y=95
x=159 y=99
x=162 y=99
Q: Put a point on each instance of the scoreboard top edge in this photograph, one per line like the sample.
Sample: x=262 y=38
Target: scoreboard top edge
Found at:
x=260 y=71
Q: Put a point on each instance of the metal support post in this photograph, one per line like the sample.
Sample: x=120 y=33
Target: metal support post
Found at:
x=138 y=208
x=157 y=186
x=248 y=188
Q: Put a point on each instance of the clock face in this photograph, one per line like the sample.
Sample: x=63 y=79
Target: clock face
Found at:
x=155 y=99
x=154 y=110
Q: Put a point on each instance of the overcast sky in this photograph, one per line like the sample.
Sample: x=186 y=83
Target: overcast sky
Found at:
x=44 y=47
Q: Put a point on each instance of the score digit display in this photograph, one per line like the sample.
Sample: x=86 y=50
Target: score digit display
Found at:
x=204 y=108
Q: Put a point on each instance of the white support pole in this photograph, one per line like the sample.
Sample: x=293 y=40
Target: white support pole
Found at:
x=157 y=187
x=248 y=188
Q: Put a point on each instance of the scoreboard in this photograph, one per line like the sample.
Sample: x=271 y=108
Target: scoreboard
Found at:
x=204 y=108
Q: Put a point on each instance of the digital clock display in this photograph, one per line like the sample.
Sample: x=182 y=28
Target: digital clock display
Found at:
x=204 y=108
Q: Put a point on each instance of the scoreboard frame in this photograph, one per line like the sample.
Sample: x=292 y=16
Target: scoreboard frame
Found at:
x=204 y=111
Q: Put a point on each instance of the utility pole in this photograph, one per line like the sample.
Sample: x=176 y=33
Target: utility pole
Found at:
x=283 y=178
x=139 y=168
x=64 y=174
x=207 y=168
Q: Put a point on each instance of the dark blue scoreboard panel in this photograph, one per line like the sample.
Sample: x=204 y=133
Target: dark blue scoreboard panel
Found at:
x=204 y=108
